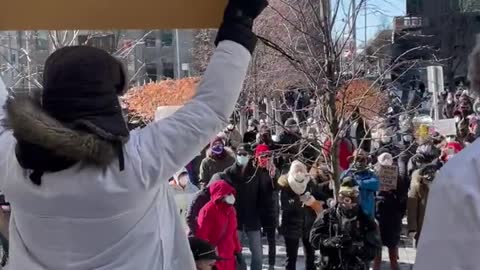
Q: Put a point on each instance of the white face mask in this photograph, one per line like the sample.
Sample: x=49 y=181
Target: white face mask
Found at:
x=298 y=182
x=386 y=139
x=407 y=138
x=230 y=199
x=242 y=160
x=183 y=180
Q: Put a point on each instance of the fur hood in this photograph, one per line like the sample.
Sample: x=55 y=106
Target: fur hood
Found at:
x=227 y=152
x=31 y=124
x=283 y=182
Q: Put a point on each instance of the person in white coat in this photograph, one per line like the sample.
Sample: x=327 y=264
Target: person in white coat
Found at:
x=85 y=192
x=184 y=192
x=450 y=238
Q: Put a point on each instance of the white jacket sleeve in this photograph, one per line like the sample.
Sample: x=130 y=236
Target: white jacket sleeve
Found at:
x=169 y=144
x=450 y=237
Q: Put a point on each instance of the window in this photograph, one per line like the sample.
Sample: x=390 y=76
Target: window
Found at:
x=168 y=70
x=150 y=42
x=41 y=40
x=152 y=71
x=167 y=38
x=104 y=42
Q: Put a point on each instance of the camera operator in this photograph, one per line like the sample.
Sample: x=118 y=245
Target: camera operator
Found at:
x=347 y=238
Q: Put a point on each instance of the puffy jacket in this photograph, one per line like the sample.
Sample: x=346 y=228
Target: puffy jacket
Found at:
x=297 y=219
x=327 y=226
x=417 y=203
x=211 y=165
x=217 y=224
x=269 y=200
x=248 y=204
x=369 y=186
x=88 y=217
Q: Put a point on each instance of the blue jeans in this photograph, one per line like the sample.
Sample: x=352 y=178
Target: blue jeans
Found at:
x=256 y=248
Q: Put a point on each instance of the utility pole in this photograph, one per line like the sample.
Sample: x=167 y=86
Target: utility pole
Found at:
x=177 y=55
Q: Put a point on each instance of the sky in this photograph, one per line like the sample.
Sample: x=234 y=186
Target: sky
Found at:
x=380 y=15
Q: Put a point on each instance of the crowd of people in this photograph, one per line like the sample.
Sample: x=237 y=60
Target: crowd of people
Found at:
x=278 y=186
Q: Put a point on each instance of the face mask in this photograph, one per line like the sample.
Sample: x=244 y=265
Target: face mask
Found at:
x=251 y=128
x=457 y=119
x=230 y=127
x=242 y=160
x=262 y=162
x=183 y=180
x=230 y=199
x=217 y=149
x=298 y=183
x=293 y=129
x=386 y=139
x=449 y=101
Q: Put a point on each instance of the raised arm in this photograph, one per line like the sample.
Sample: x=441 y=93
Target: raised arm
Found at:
x=171 y=143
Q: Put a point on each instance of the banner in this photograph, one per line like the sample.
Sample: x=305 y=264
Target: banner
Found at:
x=110 y=14
x=388 y=176
x=445 y=127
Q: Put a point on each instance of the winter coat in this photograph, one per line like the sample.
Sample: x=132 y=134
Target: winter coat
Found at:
x=217 y=224
x=364 y=231
x=249 y=202
x=289 y=144
x=345 y=150
x=250 y=136
x=234 y=138
x=297 y=219
x=452 y=220
x=406 y=153
x=269 y=200
x=91 y=217
x=417 y=203
x=211 y=165
x=369 y=186
x=183 y=198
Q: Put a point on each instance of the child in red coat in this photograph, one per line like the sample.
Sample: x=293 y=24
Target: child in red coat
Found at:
x=217 y=224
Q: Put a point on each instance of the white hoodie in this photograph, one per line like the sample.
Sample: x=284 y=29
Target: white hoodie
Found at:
x=86 y=218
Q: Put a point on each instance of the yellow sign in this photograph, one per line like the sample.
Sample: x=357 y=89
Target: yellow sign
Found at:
x=110 y=14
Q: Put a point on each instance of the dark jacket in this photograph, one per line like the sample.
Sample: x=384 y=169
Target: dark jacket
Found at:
x=248 y=203
x=289 y=146
x=211 y=165
x=269 y=198
x=363 y=231
x=250 y=136
x=297 y=219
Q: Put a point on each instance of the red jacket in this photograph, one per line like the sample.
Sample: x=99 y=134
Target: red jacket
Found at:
x=217 y=224
x=345 y=150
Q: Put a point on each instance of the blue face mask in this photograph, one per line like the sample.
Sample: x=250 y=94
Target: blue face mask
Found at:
x=242 y=160
x=217 y=149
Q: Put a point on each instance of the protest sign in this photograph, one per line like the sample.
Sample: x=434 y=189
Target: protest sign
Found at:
x=110 y=14
x=388 y=176
x=445 y=127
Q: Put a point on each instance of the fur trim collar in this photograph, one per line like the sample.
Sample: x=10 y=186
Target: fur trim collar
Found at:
x=33 y=125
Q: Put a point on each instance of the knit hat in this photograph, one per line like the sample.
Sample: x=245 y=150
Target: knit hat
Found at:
x=261 y=149
x=349 y=186
x=217 y=140
x=245 y=147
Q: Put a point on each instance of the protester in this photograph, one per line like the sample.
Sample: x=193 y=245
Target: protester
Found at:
x=217 y=224
x=217 y=160
x=391 y=210
x=451 y=148
x=422 y=179
x=233 y=136
x=270 y=199
x=289 y=141
x=347 y=238
x=204 y=253
x=322 y=176
x=367 y=180
x=73 y=160
x=408 y=149
x=449 y=107
x=184 y=192
x=427 y=153
x=251 y=134
x=246 y=180
x=345 y=150
x=301 y=202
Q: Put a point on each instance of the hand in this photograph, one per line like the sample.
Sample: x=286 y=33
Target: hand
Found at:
x=305 y=197
x=317 y=206
x=248 y=8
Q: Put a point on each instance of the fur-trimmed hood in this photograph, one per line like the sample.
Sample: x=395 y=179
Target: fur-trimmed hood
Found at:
x=31 y=124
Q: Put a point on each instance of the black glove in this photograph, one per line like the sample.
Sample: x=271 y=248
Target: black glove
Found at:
x=238 y=22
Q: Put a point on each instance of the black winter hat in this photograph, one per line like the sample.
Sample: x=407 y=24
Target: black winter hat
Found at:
x=81 y=89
